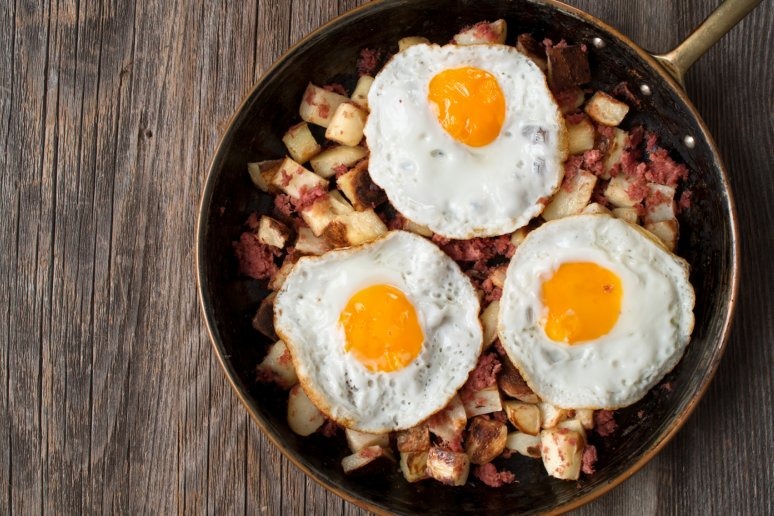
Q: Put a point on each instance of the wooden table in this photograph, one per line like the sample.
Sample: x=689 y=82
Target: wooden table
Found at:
x=112 y=400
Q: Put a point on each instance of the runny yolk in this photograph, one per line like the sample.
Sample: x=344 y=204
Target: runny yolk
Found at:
x=583 y=301
x=469 y=104
x=381 y=328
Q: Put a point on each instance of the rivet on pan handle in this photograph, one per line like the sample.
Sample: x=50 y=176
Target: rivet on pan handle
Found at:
x=707 y=34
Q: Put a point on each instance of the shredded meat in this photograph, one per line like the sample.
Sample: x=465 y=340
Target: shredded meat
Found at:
x=488 y=474
x=664 y=170
x=476 y=249
x=589 y=459
x=485 y=373
x=604 y=422
x=368 y=61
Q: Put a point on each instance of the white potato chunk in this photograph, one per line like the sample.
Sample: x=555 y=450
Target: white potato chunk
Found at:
x=413 y=465
x=300 y=142
x=359 y=440
x=489 y=318
x=410 y=41
x=308 y=243
x=335 y=159
x=448 y=467
x=667 y=231
x=262 y=173
x=524 y=444
x=586 y=418
x=367 y=460
x=627 y=214
x=483 y=32
x=449 y=423
x=303 y=417
x=360 y=94
x=518 y=236
x=617 y=192
x=550 y=416
x=580 y=136
x=572 y=196
x=291 y=178
x=318 y=105
x=485 y=440
x=524 y=416
x=278 y=365
x=413 y=439
x=562 y=452
x=346 y=125
x=594 y=208
x=324 y=211
x=575 y=425
x=355 y=228
x=606 y=110
x=485 y=401
x=273 y=232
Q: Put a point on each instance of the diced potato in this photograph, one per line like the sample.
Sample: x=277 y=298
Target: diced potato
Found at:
x=498 y=275
x=360 y=95
x=346 y=125
x=292 y=177
x=572 y=197
x=324 y=211
x=594 y=208
x=562 y=452
x=300 y=143
x=355 y=228
x=368 y=460
x=667 y=231
x=262 y=173
x=525 y=444
x=417 y=228
x=279 y=365
x=357 y=186
x=303 y=417
x=617 y=192
x=614 y=151
x=273 y=232
x=485 y=401
x=414 y=439
x=307 y=243
x=580 y=136
x=606 y=110
x=574 y=425
x=359 y=440
x=318 y=105
x=568 y=66
x=449 y=423
x=550 y=416
x=410 y=41
x=524 y=416
x=518 y=236
x=489 y=318
x=282 y=274
x=482 y=32
x=263 y=320
x=329 y=161
x=627 y=214
x=513 y=385
x=659 y=211
x=586 y=418
x=528 y=45
x=413 y=465
x=485 y=440
x=449 y=467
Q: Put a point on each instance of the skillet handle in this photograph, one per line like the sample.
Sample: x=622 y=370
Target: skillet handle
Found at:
x=704 y=36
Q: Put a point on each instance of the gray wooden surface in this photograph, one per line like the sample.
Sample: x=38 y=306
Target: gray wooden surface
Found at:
x=111 y=399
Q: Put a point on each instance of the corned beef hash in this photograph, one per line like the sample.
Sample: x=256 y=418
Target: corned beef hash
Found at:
x=470 y=258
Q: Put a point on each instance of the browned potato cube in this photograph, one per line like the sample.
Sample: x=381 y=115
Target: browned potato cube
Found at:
x=614 y=152
x=485 y=401
x=449 y=423
x=524 y=444
x=300 y=143
x=358 y=187
x=355 y=228
x=414 y=439
x=580 y=136
x=263 y=320
x=413 y=465
x=550 y=415
x=360 y=95
x=262 y=173
x=562 y=452
x=485 y=440
x=606 y=110
x=572 y=196
x=410 y=41
x=273 y=232
x=308 y=243
x=489 y=318
x=627 y=214
x=617 y=192
x=667 y=231
x=513 y=385
x=663 y=210
x=594 y=208
x=319 y=104
x=346 y=124
x=327 y=209
x=524 y=416
x=448 y=467
x=282 y=274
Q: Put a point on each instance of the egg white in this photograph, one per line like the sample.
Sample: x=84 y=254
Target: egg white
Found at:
x=307 y=311
x=456 y=190
x=646 y=342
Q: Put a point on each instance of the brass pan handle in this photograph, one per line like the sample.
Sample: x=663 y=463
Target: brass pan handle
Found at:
x=704 y=36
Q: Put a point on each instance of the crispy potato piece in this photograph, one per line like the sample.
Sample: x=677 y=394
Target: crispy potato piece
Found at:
x=360 y=95
x=524 y=444
x=366 y=461
x=562 y=452
x=324 y=211
x=449 y=423
x=594 y=208
x=410 y=41
x=300 y=143
x=513 y=385
x=338 y=158
x=580 y=136
x=586 y=418
x=303 y=417
x=414 y=439
x=667 y=231
x=291 y=177
x=413 y=465
x=263 y=320
x=318 y=105
x=606 y=110
x=346 y=124
x=485 y=401
x=527 y=45
x=282 y=274
x=357 y=186
x=572 y=196
x=616 y=192
x=448 y=467
x=359 y=440
x=489 y=318
x=307 y=243
x=550 y=416
x=567 y=67
x=357 y=227
x=627 y=214
x=485 y=440
x=262 y=173
x=524 y=416
x=273 y=232
x=483 y=32
x=279 y=365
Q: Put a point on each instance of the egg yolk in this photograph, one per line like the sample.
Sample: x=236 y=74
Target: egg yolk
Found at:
x=469 y=104
x=583 y=301
x=381 y=328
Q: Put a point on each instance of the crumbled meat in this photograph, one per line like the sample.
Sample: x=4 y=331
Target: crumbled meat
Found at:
x=592 y=162
x=284 y=205
x=253 y=221
x=476 y=249
x=286 y=178
x=566 y=99
x=499 y=416
x=485 y=373
x=482 y=30
x=589 y=459
x=368 y=61
x=571 y=168
x=637 y=190
x=664 y=170
x=666 y=386
x=549 y=43
x=685 y=201
x=256 y=260
x=335 y=87
x=606 y=132
x=491 y=292
x=623 y=92
x=636 y=134
x=340 y=170
x=651 y=141
x=308 y=196
x=604 y=422
x=488 y=474
x=329 y=428
x=454 y=444
x=598 y=195
x=575 y=118
x=498 y=346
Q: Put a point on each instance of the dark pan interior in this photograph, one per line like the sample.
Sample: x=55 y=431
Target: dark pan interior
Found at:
x=329 y=55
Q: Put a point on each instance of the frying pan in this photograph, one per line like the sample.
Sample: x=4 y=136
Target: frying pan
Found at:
x=707 y=240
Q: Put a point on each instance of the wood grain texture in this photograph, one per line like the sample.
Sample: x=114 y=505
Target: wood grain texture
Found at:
x=111 y=398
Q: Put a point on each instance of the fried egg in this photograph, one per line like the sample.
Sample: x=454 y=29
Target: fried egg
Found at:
x=595 y=311
x=466 y=140
x=381 y=335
